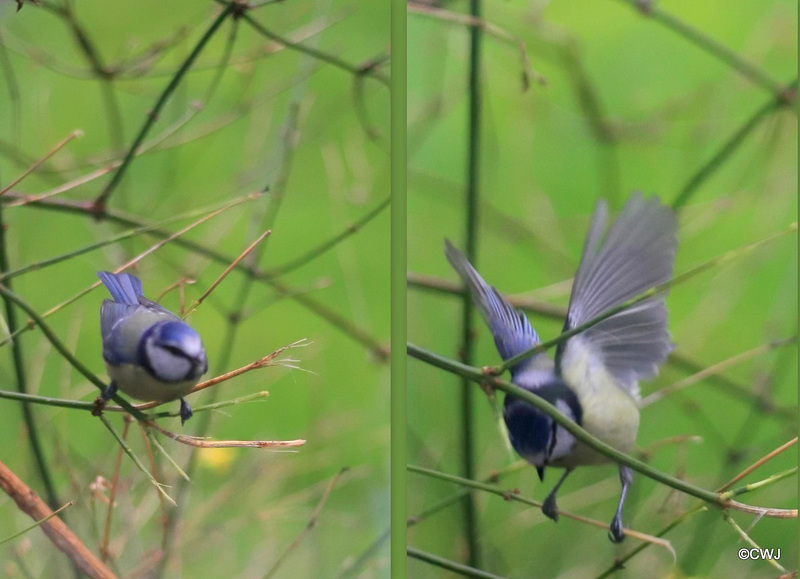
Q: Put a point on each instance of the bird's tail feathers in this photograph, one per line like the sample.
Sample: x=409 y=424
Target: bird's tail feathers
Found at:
x=125 y=288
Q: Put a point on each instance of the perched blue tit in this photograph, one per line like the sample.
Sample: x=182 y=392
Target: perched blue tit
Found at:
x=594 y=378
x=150 y=353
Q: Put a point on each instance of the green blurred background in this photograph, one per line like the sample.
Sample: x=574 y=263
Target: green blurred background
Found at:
x=318 y=136
x=628 y=104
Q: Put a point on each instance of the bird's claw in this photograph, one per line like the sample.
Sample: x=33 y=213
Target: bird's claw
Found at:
x=549 y=508
x=615 y=530
x=186 y=411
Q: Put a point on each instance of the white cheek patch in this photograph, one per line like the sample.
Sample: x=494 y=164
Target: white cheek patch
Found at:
x=166 y=365
x=564 y=440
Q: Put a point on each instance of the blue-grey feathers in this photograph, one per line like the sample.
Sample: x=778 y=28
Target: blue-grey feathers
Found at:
x=637 y=254
x=512 y=332
x=123 y=287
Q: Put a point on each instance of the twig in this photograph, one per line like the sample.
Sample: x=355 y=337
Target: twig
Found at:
x=152 y=117
x=204 y=443
x=154 y=470
x=37 y=523
x=715 y=369
x=313 y=52
x=769 y=456
x=437 y=284
x=730 y=146
x=105 y=554
x=32 y=168
x=483 y=378
x=515 y=496
x=353 y=331
x=443 y=563
x=528 y=73
x=750 y=541
x=225 y=273
x=649 y=9
x=20 y=374
x=204 y=211
x=312 y=254
x=60 y=535
x=312 y=523
x=135 y=459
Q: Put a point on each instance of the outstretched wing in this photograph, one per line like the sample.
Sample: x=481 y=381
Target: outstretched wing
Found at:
x=510 y=328
x=637 y=254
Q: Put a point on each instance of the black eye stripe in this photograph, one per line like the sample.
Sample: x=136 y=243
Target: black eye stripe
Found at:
x=175 y=351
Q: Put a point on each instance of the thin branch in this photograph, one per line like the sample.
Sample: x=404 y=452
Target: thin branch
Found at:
x=20 y=375
x=203 y=211
x=750 y=541
x=555 y=312
x=528 y=73
x=443 y=286
x=205 y=443
x=225 y=273
x=449 y=565
x=732 y=144
x=353 y=331
x=37 y=523
x=312 y=523
x=722 y=53
x=105 y=553
x=127 y=449
x=314 y=253
x=64 y=351
x=313 y=52
x=39 y=162
x=61 y=536
x=484 y=379
x=513 y=495
x=152 y=117
x=769 y=456
x=716 y=369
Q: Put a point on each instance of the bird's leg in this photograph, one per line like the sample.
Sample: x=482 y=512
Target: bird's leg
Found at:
x=106 y=395
x=186 y=411
x=109 y=391
x=615 y=529
x=549 y=506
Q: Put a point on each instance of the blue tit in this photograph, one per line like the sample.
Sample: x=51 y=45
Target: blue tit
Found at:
x=594 y=377
x=150 y=353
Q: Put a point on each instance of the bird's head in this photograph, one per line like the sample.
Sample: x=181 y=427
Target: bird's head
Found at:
x=173 y=352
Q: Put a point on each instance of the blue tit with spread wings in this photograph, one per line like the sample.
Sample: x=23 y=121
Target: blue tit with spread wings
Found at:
x=594 y=378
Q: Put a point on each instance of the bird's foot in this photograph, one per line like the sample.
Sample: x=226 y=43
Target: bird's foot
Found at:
x=615 y=530
x=549 y=507
x=106 y=395
x=186 y=411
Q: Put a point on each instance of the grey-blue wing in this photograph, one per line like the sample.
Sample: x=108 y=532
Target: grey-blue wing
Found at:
x=124 y=320
x=115 y=349
x=637 y=254
x=122 y=327
x=512 y=332
x=156 y=307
